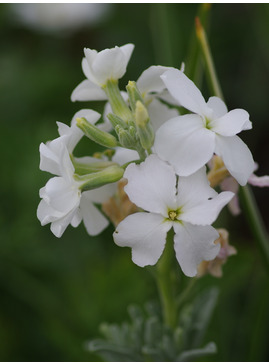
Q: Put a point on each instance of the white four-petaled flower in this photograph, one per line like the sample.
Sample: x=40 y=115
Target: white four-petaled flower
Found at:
x=99 y=67
x=186 y=204
x=189 y=141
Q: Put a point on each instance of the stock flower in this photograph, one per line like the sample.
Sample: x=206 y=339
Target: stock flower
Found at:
x=69 y=135
x=189 y=141
x=188 y=205
x=63 y=203
x=99 y=67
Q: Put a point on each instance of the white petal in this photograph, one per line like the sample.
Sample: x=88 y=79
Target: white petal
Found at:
x=88 y=91
x=76 y=219
x=194 y=189
x=127 y=49
x=159 y=113
x=193 y=244
x=231 y=123
x=206 y=212
x=145 y=233
x=101 y=194
x=60 y=195
x=218 y=106
x=49 y=157
x=89 y=114
x=58 y=227
x=93 y=219
x=262 y=181
x=236 y=157
x=185 y=143
x=46 y=214
x=150 y=81
x=151 y=185
x=74 y=135
x=185 y=92
x=111 y=64
x=90 y=56
x=123 y=155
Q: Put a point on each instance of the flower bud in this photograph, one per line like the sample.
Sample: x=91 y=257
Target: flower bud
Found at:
x=144 y=127
x=116 y=120
x=134 y=94
x=98 y=179
x=95 y=134
x=125 y=138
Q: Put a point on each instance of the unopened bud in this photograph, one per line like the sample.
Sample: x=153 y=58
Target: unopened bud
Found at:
x=134 y=94
x=116 y=120
x=144 y=127
x=125 y=138
x=95 y=134
x=98 y=179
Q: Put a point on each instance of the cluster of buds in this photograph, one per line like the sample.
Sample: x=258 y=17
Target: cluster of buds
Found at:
x=152 y=174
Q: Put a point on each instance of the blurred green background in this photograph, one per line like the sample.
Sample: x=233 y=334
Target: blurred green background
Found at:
x=54 y=293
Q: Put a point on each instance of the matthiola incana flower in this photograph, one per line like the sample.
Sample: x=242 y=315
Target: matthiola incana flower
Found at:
x=70 y=136
x=63 y=203
x=99 y=67
x=186 y=204
x=189 y=141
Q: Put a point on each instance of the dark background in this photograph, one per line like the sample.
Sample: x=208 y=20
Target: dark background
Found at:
x=54 y=293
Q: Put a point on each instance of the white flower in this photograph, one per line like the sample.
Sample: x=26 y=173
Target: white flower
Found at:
x=99 y=67
x=189 y=141
x=70 y=136
x=63 y=203
x=189 y=206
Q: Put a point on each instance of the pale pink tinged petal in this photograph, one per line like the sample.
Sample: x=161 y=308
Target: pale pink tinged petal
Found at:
x=159 y=113
x=93 y=219
x=194 y=189
x=109 y=64
x=151 y=185
x=60 y=195
x=146 y=234
x=185 y=143
x=231 y=123
x=193 y=244
x=123 y=155
x=88 y=91
x=206 y=212
x=262 y=181
x=230 y=184
x=150 y=81
x=236 y=157
x=218 y=106
x=101 y=194
x=185 y=92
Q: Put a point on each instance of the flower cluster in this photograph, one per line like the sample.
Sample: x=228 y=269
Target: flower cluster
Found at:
x=165 y=161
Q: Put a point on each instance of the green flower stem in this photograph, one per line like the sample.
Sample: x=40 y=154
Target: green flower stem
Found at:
x=116 y=100
x=255 y=222
x=250 y=208
x=164 y=277
x=209 y=64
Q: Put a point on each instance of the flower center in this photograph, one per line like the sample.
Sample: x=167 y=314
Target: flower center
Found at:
x=172 y=215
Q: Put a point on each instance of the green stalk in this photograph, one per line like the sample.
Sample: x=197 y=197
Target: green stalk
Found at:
x=164 y=277
x=250 y=208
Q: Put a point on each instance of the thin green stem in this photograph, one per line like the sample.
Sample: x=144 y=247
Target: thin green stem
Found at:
x=250 y=208
x=209 y=64
x=164 y=276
